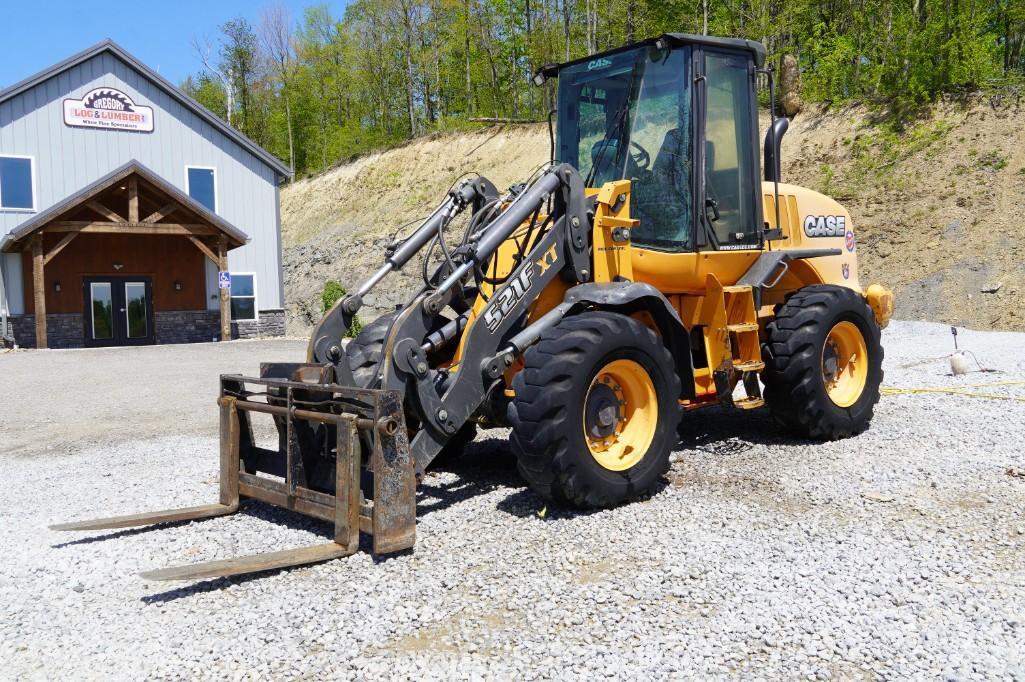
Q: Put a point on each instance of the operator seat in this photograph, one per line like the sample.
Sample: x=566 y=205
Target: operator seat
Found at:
x=659 y=199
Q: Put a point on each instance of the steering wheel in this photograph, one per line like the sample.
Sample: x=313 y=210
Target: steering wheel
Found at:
x=641 y=158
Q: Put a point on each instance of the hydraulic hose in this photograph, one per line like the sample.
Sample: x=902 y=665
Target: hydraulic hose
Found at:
x=522 y=208
x=425 y=233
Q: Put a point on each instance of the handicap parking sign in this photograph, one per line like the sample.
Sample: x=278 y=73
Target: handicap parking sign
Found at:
x=223 y=280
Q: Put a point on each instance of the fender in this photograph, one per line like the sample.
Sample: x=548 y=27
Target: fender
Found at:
x=626 y=298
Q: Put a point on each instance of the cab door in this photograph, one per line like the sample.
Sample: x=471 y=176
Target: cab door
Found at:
x=729 y=207
x=726 y=238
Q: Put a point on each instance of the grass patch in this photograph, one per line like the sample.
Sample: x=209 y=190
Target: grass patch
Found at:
x=878 y=149
x=992 y=161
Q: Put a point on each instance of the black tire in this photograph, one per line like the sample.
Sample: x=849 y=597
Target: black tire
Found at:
x=364 y=351
x=364 y=354
x=547 y=413
x=455 y=446
x=794 y=376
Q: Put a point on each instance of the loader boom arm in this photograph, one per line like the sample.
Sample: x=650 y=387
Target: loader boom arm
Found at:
x=325 y=342
x=562 y=251
x=332 y=433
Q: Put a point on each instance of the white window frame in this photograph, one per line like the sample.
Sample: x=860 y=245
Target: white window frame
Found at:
x=32 y=174
x=256 y=312
x=92 y=310
x=145 y=310
x=217 y=190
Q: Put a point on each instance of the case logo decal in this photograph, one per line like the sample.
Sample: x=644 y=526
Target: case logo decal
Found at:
x=825 y=225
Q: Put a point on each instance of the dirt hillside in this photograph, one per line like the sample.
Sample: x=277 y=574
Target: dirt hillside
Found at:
x=939 y=208
x=336 y=225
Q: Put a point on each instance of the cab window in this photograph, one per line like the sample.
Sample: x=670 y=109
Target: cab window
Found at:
x=627 y=115
x=730 y=156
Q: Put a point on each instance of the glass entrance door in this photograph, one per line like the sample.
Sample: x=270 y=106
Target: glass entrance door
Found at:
x=118 y=311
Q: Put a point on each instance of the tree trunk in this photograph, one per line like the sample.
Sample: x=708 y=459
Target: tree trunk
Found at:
x=485 y=36
x=466 y=48
x=410 y=84
x=631 y=12
x=530 y=63
x=291 y=139
x=565 y=25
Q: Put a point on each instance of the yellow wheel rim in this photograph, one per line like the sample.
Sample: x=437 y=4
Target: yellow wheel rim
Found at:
x=620 y=415
x=845 y=364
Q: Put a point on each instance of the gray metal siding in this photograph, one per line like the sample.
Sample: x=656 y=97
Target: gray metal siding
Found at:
x=10 y=268
x=67 y=159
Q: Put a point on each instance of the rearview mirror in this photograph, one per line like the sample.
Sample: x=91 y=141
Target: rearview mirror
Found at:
x=773 y=138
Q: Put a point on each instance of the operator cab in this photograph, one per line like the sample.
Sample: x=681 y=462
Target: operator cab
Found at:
x=653 y=113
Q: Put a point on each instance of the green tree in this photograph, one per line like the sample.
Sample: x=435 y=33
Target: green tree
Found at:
x=208 y=92
x=238 y=54
x=329 y=87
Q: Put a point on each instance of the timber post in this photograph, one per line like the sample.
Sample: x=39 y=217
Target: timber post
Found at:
x=39 y=289
x=225 y=294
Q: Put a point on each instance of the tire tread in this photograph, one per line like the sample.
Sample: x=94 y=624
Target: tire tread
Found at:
x=547 y=384
x=792 y=378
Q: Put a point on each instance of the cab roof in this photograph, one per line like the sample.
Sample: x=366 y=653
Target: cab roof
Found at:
x=754 y=48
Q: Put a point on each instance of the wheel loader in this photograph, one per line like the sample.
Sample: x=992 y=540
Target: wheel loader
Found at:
x=651 y=269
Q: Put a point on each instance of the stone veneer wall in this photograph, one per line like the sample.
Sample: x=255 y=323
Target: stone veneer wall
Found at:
x=187 y=326
x=270 y=323
x=64 y=330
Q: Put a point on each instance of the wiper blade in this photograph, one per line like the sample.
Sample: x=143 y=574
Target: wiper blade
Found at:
x=616 y=127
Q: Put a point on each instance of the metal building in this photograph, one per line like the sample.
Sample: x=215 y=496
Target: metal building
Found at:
x=130 y=214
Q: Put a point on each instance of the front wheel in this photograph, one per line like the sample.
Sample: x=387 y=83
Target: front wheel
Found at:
x=596 y=409
x=825 y=363
x=365 y=356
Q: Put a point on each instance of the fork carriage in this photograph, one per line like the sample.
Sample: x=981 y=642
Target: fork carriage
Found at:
x=335 y=439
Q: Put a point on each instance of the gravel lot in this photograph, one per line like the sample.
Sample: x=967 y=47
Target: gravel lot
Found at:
x=897 y=554
x=63 y=400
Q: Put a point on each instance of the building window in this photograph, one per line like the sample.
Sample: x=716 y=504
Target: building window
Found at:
x=243 y=296
x=16 y=183
x=202 y=186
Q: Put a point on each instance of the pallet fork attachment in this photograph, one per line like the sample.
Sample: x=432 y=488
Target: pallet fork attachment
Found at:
x=319 y=423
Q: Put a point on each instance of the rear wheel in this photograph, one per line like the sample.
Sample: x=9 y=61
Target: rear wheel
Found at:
x=595 y=413
x=822 y=379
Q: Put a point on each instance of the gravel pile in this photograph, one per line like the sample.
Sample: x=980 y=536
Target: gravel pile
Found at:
x=899 y=553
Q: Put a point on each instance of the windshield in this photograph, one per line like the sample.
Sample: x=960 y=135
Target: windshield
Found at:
x=627 y=116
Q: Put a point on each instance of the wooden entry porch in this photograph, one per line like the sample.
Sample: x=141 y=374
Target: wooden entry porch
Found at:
x=130 y=203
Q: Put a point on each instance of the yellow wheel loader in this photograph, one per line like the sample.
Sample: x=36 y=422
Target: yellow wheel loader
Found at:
x=654 y=267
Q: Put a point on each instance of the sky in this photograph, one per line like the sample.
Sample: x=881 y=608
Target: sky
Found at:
x=39 y=33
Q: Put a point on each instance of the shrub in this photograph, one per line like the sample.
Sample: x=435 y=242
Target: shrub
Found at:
x=355 y=328
x=333 y=292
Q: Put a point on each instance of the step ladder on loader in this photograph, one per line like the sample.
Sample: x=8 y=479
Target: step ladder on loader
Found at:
x=318 y=421
x=733 y=346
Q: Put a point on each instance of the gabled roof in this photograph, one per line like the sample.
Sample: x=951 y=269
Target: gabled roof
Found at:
x=236 y=237
x=195 y=107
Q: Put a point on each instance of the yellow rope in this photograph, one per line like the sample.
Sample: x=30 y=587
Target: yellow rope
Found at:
x=887 y=390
